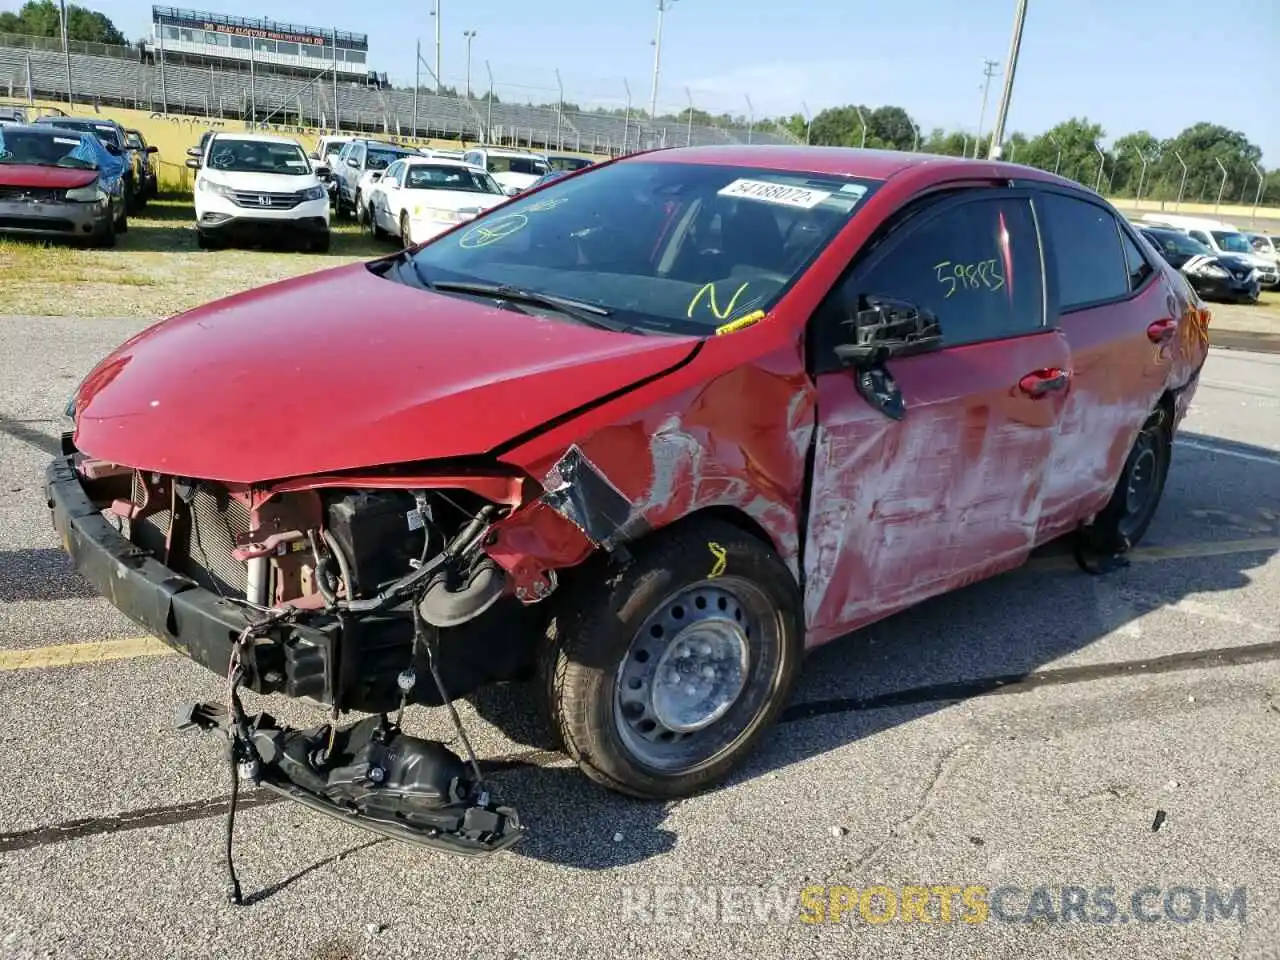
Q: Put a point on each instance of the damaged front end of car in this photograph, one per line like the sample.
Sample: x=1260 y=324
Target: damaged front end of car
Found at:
x=361 y=593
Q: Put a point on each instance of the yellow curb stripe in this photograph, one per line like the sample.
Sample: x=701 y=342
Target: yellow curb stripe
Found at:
x=80 y=654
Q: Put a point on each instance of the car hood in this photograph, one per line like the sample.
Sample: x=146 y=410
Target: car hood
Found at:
x=342 y=370
x=451 y=200
x=35 y=175
x=519 y=180
x=264 y=182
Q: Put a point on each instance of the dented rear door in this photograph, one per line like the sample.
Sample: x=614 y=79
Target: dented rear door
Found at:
x=902 y=509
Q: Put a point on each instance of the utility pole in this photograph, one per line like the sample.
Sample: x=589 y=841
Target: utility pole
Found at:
x=337 y=113
x=657 y=58
x=469 y=35
x=1002 y=114
x=66 y=49
x=417 y=82
x=988 y=71
x=436 y=13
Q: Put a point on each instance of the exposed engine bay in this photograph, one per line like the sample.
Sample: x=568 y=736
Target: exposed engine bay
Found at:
x=361 y=599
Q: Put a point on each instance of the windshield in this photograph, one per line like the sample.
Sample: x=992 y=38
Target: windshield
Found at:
x=103 y=131
x=1171 y=241
x=527 y=165
x=258 y=156
x=569 y=163
x=1233 y=242
x=380 y=159
x=422 y=176
x=133 y=140
x=43 y=149
x=668 y=247
x=332 y=149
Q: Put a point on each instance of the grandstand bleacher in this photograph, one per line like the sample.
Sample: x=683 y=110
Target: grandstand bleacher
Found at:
x=35 y=67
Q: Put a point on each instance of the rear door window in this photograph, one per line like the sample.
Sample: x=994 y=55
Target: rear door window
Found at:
x=1087 y=252
x=976 y=266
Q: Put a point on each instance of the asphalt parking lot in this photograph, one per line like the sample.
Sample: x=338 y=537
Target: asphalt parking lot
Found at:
x=1043 y=729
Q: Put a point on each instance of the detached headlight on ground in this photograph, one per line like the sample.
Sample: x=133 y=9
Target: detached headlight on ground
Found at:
x=88 y=194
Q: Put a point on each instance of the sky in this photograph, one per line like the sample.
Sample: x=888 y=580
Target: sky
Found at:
x=1158 y=65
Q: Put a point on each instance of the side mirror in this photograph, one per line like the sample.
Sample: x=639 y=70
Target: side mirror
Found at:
x=323 y=172
x=153 y=149
x=193 y=151
x=511 y=191
x=884 y=327
x=112 y=148
x=193 y=163
x=313 y=155
x=353 y=163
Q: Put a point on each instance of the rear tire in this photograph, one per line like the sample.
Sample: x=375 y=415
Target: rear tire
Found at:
x=1124 y=520
x=320 y=244
x=404 y=229
x=665 y=672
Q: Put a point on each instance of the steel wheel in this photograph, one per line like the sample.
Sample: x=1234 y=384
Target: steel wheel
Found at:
x=686 y=669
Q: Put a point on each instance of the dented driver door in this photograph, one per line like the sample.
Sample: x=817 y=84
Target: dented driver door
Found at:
x=903 y=509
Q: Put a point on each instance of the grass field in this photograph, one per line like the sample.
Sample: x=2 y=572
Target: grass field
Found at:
x=155 y=269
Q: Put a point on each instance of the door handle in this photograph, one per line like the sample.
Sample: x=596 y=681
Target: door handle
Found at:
x=1161 y=330
x=1039 y=382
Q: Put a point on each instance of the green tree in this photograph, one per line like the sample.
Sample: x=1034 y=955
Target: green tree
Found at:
x=1129 y=151
x=39 y=18
x=1201 y=146
x=1071 y=147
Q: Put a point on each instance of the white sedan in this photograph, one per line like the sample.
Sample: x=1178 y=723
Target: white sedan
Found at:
x=415 y=199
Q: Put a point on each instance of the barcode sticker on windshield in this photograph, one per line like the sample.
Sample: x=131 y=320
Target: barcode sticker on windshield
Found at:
x=775 y=193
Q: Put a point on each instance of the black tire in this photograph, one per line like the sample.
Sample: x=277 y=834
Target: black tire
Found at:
x=104 y=238
x=120 y=222
x=1123 y=522
x=376 y=229
x=404 y=228
x=629 y=613
x=320 y=244
x=207 y=242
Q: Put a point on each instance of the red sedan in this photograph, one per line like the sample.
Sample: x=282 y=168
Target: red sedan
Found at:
x=648 y=433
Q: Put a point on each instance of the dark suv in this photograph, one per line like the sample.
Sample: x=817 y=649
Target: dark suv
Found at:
x=115 y=139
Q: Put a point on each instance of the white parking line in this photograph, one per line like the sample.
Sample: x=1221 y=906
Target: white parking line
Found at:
x=1238 y=454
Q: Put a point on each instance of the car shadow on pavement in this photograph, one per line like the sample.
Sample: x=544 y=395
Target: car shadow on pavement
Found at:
x=975 y=641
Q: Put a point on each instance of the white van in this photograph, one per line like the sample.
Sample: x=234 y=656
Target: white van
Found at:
x=1221 y=238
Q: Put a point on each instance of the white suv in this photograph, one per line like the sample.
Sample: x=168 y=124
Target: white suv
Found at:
x=514 y=169
x=251 y=184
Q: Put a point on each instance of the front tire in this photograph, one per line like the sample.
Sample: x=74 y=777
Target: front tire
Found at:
x=404 y=229
x=666 y=672
x=1125 y=519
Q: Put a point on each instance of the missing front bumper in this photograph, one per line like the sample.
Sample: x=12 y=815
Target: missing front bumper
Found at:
x=373 y=775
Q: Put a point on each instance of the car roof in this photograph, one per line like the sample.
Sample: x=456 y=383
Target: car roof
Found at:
x=845 y=161
x=418 y=160
x=255 y=137
x=54 y=118
x=43 y=129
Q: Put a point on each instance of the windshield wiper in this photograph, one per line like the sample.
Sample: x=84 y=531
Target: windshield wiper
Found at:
x=588 y=313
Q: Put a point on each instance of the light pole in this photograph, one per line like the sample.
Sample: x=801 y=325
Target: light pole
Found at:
x=657 y=57
x=436 y=14
x=1141 y=176
x=66 y=48
x=988 y=71
x=1057 y=161
x=1257 y=197
x=863 y=121
x=1222 y=188
x=751 y=117
x=1102 y=159
x=1183 y=185
x=808 y=121
x=1002 y=114
x=470 y=35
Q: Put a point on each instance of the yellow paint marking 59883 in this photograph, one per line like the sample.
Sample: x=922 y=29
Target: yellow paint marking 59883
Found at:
x=75 y=654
